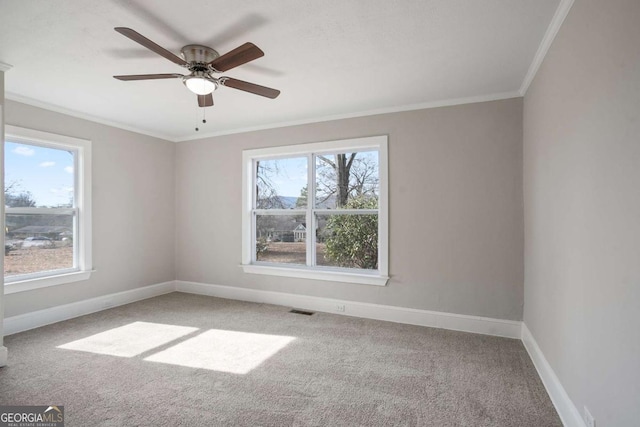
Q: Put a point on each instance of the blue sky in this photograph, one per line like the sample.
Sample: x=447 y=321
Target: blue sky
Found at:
x=290 y=177
x=47 y=173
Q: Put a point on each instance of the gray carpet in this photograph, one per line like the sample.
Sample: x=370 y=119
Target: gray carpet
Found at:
x=199 y=361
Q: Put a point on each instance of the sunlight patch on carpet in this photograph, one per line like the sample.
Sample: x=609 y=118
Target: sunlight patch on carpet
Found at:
x=226 y=351
x=129 y=340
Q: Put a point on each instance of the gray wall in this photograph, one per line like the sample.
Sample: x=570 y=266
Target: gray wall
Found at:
x=133 y=209
x=582 y=208
x=456 y=228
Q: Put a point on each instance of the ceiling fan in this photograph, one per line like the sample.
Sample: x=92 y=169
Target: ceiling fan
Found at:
x=202 y=62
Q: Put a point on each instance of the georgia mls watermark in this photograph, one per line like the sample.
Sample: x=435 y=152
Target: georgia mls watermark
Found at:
x=31 y=416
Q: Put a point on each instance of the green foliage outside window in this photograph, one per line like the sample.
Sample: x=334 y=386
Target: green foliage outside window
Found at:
x=352 y=240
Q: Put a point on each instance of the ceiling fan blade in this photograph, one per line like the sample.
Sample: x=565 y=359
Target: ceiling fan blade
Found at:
x=147 y=76
x=139 y=38
x=205 y=100
x=238 y=56
x=250 y=87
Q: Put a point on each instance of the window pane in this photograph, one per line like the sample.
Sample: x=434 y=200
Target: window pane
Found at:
x=38 y=243
x=281 y=239
x=349 y=241
x=38 y=176
x=347 y=180
x=282 y=183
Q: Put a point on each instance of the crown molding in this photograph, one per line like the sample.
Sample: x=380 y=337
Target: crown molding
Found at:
x=386 y=110
x=552 y=30
x=73 y=113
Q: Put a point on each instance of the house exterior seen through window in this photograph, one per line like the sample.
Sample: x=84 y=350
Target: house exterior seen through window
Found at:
x=317 y=211
x=47 y=209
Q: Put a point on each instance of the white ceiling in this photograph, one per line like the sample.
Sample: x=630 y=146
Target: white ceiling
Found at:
x=330 y=58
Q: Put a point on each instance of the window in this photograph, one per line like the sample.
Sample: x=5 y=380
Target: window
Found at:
x=47 y=183
x=317 y=211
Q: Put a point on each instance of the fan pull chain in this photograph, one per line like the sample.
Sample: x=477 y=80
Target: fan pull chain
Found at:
x=204 y=118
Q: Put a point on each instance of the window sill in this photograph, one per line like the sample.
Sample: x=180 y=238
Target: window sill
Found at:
x=317 y=274
x=44 y=282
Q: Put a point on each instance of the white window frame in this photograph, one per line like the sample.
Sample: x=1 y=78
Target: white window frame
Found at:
x=81 y=210
x=360 y=276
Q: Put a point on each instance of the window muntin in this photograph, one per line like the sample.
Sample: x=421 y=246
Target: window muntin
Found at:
x=47 y=209
x=344 y=208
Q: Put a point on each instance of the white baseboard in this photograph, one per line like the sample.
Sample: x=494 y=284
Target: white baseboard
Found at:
x=4 y=355
x=567 y=411
x=47 y=316
x=435 y=319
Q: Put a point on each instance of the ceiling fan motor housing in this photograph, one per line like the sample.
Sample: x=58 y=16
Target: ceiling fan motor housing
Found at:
x=198 y=56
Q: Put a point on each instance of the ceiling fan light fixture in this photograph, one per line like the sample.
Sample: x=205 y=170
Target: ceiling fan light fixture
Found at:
x=200 y=85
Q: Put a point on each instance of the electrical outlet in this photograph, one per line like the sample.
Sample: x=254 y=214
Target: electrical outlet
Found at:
x=588 y=418
x=340 y=308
